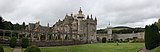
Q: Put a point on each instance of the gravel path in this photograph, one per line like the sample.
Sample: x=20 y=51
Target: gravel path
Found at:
x=143 y=50
x=17 y=49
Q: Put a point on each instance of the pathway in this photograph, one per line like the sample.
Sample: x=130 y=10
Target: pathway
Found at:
x=17 y=49
x=143 y=50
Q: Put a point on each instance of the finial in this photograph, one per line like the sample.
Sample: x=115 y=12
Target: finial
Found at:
x=38 y=22
x=87 y=16
x=95 y=19
x=48 y=24
x=91 y=18
x=80 y=8
x=80 y=11
x=66 y=14
x=59 y=20
x=109 y=23
x=91 y=15
x=71 y=14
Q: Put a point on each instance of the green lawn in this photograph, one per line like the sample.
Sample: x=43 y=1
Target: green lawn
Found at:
x=156 y=49
x=7 y=49
x=99 y=47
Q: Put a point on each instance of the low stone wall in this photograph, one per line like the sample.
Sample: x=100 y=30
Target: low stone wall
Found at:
x=46 y=43
x=56 y=43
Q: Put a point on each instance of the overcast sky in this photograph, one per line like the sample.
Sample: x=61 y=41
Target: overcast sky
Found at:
x=132 y=13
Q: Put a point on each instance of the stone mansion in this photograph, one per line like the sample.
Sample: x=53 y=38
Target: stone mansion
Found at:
x=73 y=27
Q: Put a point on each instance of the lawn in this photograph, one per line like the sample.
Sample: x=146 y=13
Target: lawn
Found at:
x=7 y=49
x=99 y=47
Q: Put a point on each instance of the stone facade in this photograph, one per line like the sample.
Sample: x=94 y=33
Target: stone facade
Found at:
x=73 y=27
x=77 y=24
x=139 y=35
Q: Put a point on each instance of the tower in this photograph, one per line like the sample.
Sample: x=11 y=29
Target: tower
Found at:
x=80 y=15
x=109 y=31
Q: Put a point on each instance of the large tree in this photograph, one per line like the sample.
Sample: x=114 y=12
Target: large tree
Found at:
x=8 y=25
x=1 y=23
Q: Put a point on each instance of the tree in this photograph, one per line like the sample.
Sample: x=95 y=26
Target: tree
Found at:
x=158 y=23
x=25 y=42
x=16 y=26
x=151 y=37
x=1 y=23
x=13 y=42
x=8 y=25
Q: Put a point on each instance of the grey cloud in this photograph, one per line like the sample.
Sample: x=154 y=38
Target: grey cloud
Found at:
x=118 y=12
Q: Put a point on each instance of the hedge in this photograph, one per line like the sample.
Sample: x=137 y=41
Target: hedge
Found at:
x=25 y=42
x=13 y=42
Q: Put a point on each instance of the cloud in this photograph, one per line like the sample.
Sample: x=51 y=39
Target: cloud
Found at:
x=134 y=13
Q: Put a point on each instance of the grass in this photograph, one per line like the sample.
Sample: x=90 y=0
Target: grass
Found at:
x=100 y=47
x=156 y=49
x=7 y=49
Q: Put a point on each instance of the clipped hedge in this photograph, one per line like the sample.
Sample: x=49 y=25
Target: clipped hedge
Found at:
x=13 y=41
x=25 y=42
x=1 y=49
x=32 y=48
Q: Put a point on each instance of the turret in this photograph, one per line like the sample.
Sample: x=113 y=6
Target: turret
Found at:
x=91 y=15
x=48 y=25
x=72 y=14
x=80 y=15
x=95 y=19
x=87 y=16
x=80 y=11
x=59 y=20
x=91 y=18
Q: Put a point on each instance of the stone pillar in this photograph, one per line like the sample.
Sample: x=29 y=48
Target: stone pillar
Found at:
x=55 y=35
x=3 y=34
x=32 y=36
x=71 y=37
x=62 y=37
x=39 y=37
x=46 y=37
x=77 y=37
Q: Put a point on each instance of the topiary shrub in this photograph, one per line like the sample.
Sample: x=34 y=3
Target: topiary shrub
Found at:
x=25 y=42
x=1 y=49
x=103 y=40
x=32 y=49
x=13 y=42
x=151 y=37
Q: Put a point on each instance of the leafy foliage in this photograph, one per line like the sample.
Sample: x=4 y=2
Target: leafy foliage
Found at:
x=151 y=37
x=13 y=42
x=32 y=49
x=1 y=49
x=25 y=42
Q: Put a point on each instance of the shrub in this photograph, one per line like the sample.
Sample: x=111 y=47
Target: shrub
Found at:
x=25 y=42
x=12 y=42
x=103 y=40
x=32 y=49
x=1 y=49
x=151 y=37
